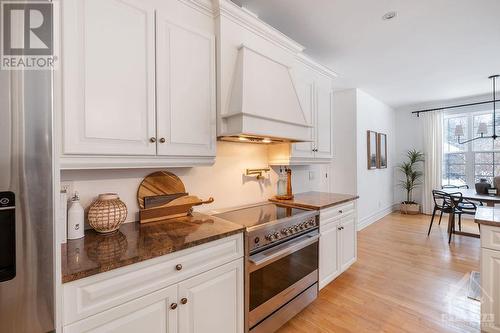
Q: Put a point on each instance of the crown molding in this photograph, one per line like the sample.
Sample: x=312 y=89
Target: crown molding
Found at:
x=316 y=66
x=204 y=6
x=231 y=11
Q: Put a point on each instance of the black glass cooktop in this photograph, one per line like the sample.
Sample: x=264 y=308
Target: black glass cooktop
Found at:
x=260 y=214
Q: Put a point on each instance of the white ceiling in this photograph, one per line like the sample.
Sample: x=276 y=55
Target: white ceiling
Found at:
x=433 y=50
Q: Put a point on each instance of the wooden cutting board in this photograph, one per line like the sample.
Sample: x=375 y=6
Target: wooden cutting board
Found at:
x=159 y=183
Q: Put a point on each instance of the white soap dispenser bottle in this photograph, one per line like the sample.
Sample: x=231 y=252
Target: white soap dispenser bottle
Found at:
x=76 y=218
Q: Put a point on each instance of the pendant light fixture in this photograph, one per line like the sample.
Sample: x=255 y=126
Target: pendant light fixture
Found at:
x=483 y=127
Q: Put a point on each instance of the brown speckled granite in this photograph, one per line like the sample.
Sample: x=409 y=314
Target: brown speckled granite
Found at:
x=317 y=200
x=488 y=216
x=136 y=242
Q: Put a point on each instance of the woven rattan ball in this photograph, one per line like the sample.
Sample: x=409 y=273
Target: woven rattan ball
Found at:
x=107 y=213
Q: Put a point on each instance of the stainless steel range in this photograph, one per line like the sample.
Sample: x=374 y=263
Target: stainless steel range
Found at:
x=281 y=271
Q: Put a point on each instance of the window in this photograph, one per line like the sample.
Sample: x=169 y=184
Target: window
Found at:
x=468 y=163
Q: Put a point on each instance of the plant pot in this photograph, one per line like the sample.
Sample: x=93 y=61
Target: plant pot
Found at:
x=409 y=208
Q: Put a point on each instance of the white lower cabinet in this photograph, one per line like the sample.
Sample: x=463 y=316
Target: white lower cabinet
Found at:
x=347 y=237
x=211 y=301
x=329 y=266
x=151 y=313
x=490 y=277
x=337 y=243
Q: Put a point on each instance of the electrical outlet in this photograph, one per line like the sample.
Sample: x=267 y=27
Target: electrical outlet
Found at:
x=68 y=186
x=311 y=175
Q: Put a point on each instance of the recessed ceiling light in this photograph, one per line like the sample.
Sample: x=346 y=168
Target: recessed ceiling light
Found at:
x=389 y=15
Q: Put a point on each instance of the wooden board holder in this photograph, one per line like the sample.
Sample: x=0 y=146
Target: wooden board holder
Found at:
x=164 y=183
x=170 y=211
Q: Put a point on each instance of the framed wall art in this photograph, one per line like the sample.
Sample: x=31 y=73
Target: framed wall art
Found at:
x=371 y=147
x=381 y=151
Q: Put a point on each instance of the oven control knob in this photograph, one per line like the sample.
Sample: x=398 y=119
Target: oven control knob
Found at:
x=269 y=237
x=256 y=240
x=276 y=235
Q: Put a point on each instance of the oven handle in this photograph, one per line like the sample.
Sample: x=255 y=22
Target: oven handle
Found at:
x=268 y=256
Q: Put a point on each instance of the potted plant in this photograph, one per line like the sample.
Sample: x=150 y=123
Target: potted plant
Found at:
x=412 y=179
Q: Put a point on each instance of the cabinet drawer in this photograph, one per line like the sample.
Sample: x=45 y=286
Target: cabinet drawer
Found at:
x=331 y=214
x=490 y=237
x=88 y=296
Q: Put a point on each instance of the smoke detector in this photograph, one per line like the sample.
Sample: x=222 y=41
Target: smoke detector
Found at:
x=389 y=15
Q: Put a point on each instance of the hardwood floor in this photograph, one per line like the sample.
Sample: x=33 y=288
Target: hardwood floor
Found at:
x=403 y=281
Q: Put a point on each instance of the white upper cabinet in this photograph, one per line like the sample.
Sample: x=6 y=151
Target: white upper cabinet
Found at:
x=138 y=84
x=313 y=84
x=304 y=85
x=324 y=111
x=109 y=82
x=186 y=89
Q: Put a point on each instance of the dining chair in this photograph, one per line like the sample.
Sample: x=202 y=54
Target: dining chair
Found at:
x=467 y=206
x=442 y=203
x=438 y=208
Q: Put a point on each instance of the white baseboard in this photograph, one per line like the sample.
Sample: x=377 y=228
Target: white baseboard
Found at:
x=366 y=221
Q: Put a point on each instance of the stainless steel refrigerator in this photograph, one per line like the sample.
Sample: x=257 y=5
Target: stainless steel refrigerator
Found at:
x=26 y=202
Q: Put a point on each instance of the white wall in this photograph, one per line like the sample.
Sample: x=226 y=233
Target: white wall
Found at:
x=225 y=180
x=409 y=134
x=375 y=187
x=344 y=171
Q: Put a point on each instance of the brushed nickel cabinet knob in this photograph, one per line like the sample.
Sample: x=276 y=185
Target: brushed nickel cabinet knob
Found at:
x=152 y=139
x=173 y=306
x=162 y=140
x=178 y=267
x=184 y=300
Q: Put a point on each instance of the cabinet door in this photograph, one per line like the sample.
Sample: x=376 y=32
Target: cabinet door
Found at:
x=329 y=266
x=324 y=102
x=490 y=291
x=348 y=241
x=186 y=90
x=108 y=77
x=213 y=301
x=151 y=314
x=323 y=119
x=304 y=86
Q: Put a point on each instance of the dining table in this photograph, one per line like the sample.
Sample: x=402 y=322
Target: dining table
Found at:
x=471 y=195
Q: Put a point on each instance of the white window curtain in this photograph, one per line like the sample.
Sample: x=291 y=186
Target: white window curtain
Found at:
x=433 y=150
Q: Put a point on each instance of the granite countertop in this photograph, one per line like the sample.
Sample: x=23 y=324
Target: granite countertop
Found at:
x=317 y=200
x=488 y=216
x=136 y=242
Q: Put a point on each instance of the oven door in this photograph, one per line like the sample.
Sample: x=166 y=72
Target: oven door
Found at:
x=279 y=274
